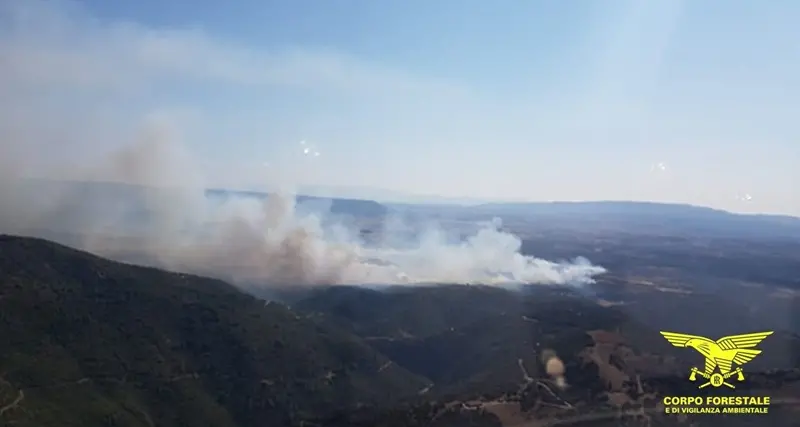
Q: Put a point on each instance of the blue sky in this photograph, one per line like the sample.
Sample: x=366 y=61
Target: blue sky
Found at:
x=664 y=100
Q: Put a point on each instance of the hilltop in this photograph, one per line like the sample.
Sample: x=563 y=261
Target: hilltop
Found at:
x=89 y=341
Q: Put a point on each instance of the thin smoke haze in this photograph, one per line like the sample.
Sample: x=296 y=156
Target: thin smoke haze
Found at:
x=158 y=212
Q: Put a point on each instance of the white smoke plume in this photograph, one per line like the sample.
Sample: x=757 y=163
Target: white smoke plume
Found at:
x=148 y=203
x=71 y=84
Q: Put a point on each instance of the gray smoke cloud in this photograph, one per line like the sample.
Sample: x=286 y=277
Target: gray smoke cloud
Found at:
x=148 y=203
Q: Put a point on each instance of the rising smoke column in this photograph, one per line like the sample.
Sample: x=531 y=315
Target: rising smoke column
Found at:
x=162 y=216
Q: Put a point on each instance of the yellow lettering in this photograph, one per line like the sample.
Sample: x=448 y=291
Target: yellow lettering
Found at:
x=737 y=400
x=692 y=400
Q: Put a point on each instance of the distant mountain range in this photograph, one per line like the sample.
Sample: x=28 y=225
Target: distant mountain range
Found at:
x=651 y=217
x=646 y=217
x=624 y=216
x=388 y=196
x=354 y=207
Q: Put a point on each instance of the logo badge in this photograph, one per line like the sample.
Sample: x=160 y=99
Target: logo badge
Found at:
x=720 y=355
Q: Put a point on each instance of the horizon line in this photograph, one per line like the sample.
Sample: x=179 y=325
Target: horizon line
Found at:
x=434 y=200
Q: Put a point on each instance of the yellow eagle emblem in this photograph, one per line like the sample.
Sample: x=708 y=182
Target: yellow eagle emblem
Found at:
x=722 y=354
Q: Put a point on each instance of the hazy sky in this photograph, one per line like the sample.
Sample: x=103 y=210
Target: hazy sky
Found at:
x=664 y=100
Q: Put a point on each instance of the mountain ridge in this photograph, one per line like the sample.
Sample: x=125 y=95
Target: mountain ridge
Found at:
x=617 y=205
x=121 y=336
